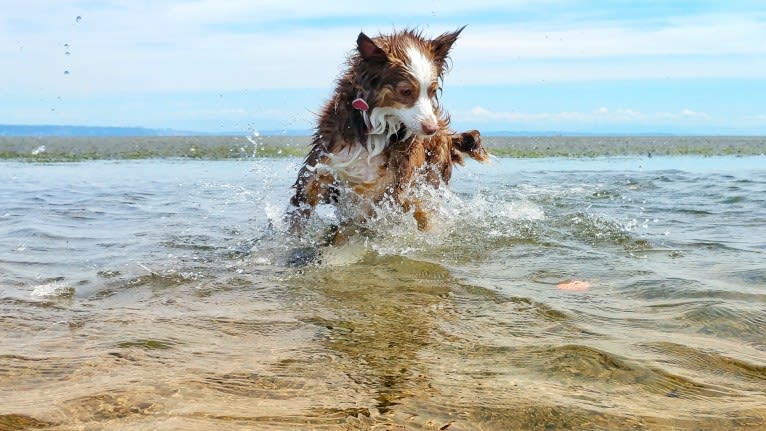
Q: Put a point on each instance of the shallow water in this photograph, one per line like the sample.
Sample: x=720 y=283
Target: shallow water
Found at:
x=160 y=294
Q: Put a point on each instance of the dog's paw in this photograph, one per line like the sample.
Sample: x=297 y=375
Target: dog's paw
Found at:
x=470 y=143
x=305 y=256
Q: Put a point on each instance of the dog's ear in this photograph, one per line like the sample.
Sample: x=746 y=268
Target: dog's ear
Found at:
x=442 y=44
x=368 y=50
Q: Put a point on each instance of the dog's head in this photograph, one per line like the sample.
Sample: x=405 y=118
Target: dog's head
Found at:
x=401 y=75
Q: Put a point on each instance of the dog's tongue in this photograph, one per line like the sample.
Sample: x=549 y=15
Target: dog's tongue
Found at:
x=360 y=104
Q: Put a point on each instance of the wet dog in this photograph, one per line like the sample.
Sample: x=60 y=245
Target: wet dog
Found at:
x=383 y=130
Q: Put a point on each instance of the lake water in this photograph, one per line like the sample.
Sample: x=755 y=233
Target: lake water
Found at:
x=164 y=294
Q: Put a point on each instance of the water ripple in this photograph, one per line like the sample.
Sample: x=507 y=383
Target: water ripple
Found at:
x=160 y=296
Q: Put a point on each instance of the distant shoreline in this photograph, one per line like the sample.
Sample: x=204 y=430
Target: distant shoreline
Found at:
x=63 y=149
x=66 y=131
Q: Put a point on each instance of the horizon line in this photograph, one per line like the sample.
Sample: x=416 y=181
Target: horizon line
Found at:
x=70 y=130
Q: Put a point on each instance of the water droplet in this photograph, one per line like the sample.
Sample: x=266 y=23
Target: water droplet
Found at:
x=78 y=19
x=67 y=53
x=66 y=72
x=66 y=45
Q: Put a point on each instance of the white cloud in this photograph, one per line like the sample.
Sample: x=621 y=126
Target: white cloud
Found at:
x=755 y=120
x=715 y=47
x=480 y=113
x=269 y=11
x=211 y=45
x=127 y=48
x=684 y=114
x=601 y=115
x=722 y=35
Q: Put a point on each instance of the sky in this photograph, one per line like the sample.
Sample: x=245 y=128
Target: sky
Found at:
x=604 y=67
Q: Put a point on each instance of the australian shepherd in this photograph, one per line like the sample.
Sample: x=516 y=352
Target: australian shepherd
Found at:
x=383 y=130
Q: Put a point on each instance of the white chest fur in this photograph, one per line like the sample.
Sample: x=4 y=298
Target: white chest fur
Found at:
x=356 y=166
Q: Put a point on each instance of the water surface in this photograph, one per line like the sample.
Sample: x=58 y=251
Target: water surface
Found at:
x=160 y=294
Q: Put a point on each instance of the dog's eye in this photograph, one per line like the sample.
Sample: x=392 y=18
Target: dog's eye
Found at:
x=406 y=92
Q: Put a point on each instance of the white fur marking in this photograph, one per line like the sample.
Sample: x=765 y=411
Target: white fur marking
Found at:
x=424 y=71
x=351 y=167
x=421 y=68
x=384 y=123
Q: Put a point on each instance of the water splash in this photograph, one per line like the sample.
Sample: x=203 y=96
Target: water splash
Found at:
x=57 y=289
x=460 y=225
x=256 y=140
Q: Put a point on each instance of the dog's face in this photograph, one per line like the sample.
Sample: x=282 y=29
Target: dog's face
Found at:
x=403 y=72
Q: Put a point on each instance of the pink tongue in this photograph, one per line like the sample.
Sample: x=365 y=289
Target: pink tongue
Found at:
x=360 y=104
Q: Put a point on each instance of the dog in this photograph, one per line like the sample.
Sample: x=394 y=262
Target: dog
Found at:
x=383 y=130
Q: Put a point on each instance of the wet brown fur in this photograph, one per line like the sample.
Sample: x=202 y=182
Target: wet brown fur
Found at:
x=377 y=72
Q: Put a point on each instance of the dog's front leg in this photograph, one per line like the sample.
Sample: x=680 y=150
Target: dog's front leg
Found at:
x=469 y=143
x=422 y=217
x=314 y=186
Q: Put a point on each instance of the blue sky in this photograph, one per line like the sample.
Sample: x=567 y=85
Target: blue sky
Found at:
x=686 y=67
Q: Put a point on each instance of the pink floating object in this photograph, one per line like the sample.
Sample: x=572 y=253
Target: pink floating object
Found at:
x=574 y=286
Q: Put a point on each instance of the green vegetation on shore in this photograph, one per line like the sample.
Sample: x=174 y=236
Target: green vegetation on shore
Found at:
x=75 y=149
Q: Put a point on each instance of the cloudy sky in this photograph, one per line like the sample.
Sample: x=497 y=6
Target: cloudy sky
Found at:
x=695 y=67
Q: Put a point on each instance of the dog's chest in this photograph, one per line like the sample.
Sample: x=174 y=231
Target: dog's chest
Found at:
x=356 y=167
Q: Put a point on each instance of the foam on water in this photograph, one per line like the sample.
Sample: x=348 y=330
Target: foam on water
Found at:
x=457 y=221
x=53 y=289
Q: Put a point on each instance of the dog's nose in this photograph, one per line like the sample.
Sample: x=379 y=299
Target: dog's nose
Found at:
x=429 y=128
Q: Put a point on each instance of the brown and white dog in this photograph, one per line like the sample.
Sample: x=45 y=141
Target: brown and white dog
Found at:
x=383 y=130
